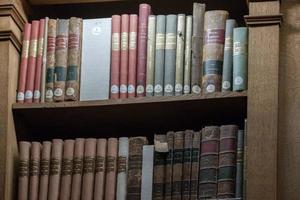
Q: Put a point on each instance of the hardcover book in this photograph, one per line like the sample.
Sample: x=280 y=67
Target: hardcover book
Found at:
x=177 y=165
x=169 y=166
x=187 y=165
x=196 y=144
x=100 y=168
x=23 y=176
x=147 y=172
x=188 y=55
x=239 y=165
x=34 y=170
x=44 y=170
x=150 y=55
x=44 y=61
x=122 y=168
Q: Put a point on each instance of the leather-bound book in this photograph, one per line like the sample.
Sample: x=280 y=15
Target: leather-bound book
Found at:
x=187 y=164
x=135 y=167
x=239 y=165
x=177 y=165
x=227 y=161
x=34 y=170
x=24 y=63
x=23 y=178
x=169 y=166
x=209 y=162
x=188 y=55
x=44 y=170
x=147 y=172
x=196 y=144
x=213 y=50
x=122 y=168
x=244 y=161
x=44 y=61
x=100 y=169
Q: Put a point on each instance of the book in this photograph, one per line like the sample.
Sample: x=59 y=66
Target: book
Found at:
x=244 y=160
x=24 y=63
x=188 y=55
x=213 y=50
x=169 y=166
x=44 y=170
x=150 y=55
x=122 y=168
x=240 y=58
x=196 y=144
x=187 y=164
x=144 y=12
x=100 y=167
x=239 y=165
x=95 y=62
x=228 y=56
x=197 y=45
x=34 y=170
x=160 y=40
x=147 y=172
x=44 y=61
x=177 y=165
x=135 y=167
x=170 y=55
x=23 y=176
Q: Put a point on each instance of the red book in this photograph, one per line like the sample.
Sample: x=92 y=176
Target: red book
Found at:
x=31 y=61
x=124 y=56
x=133 y=24
x=23 y=64
x=115 y=57
x=144 y=12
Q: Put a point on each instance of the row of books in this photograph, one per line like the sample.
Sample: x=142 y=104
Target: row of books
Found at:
x=205 y=164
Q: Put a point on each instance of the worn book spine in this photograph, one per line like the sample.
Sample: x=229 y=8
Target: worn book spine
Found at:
x=135 y=167
x=227 y=161
x=33 y=45
x=177 y=165
x=55 y=169
x=213 y=50
x=239 y=165
x=187 y=164
x=132 y=60
x=196 y=144
x=144 y=12
x=124 y=56
x=34 y=170
x=150 y=56
x=170 y=55
x=77 y=168
x=44 y=170
x=74 y=59
x=147 y=172
x=24 y=63
x=228 y=56
x=209 y=162
x=44 y=61
x=23 y=178
x=197 y=47
x=61 y=59
x=50 y=63
x=169 y=166
x=100 y=167
x=240 y=58
x=188 y=55
x=159 y=55
x=244 y=161
x=111 y=169
x=122 y=169
x=66 y=170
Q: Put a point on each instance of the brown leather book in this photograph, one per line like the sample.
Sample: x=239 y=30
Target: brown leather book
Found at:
x=177 y=165
x=44 y=170
x=23 y=170
x=169 y=166
x=195 y=165
x=34 y=170
x=100 y=169
x=187 y=164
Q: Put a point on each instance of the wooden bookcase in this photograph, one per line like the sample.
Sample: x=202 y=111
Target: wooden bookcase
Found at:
x=264 y=104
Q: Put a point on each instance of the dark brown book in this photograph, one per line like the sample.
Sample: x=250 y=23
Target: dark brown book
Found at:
x=187 y=164
x=177 y=165
x=195 y=165
x=44 y=170
x=169 y=166
x=34 y=170
x=23 y=170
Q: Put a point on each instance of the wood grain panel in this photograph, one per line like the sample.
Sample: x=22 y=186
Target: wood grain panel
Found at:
x=264 y=8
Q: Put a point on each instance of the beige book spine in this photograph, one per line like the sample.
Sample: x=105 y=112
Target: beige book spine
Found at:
x=44 y=170
x=188 y=55
x=34 y=170
x=23 y=170
x=100 y=169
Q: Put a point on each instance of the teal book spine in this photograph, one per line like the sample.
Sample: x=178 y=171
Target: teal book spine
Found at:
x=239 y=165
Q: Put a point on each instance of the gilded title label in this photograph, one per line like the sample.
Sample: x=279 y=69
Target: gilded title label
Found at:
x=88 y=164
x=45 y=164
x=124 y=41
x=115 y=42
x=40 y=47
x=228 y=43
x=34 y=169
x=160 y=41
x=122 y=163
x=67 y=167
x=171 y=41
x=25 y=49
x=239 y=48
x=33 y=48
x=77 y=165
x=111 y=163
x=23 y=168
x=55 y=166
x=100 y=164
x=132 y=40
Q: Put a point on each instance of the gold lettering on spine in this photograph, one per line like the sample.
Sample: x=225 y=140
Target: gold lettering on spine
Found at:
x=77 y=165
x=171 y=41
x=132 y=40
x=34 y=169
x=122 y=163
x=55 y=166
x=100 y=164
x=88 y=164
x=33 y=48
x=111 y=163
x=67 y=167
x=23 y=168
x=124 y=41
x=25 y=49
x=40 y=47
x=45 y=164
x=116 y=42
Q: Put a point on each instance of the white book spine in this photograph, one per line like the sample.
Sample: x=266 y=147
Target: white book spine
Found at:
x=147 y=172
x=44 y=63
x=188 y=55
x=122 y=169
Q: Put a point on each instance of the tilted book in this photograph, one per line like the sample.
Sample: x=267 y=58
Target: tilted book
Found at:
x=196 y=144
x=169 y=166
x=44 y=61
x=188 y=55
x=44 y=170
x=34 y=170
x=187 y=164
x=122 y=169
x=23 y=174
x=147 y=172
x=150 y=55
x=177 y=165
x=100 y=167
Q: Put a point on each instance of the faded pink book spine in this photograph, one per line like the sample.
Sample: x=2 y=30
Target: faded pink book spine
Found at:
x=100 y=168
x=23 y=170
x=44 y=170
x=34 y=170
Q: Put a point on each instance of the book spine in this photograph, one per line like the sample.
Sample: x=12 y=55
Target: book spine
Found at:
x=32 y=61
x=169 y=166
x=195 y=165
x=23 y=179
x=74 y=58
x=50 y=63
x=122 y=168
x=187 y=165
x=244 y=161
x=34 y=170
x=228 y=56
x=160 y=40
x=147 y=172
x=132 y=61
x=55 y=169
x=124 y=56
x=44 y=61
x=115 y=57
x=100 y=169
x=24 y=63
x=150 y=55
x=170 y=55
x=209 y=162
x=240 y=58
x=144 y=12
x=135 y=167
x=44 y=170
x=213 y=50
x=239 y=165
x=111 y=169
x=179 y=55
x=89 y=158
x=227 y=161
x=177 y=165
x=188 y=55
x=197 y=45
x=66 y=170
x=61 y=59
x=39 y=62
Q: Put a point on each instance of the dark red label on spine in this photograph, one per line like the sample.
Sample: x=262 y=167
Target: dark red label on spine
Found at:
x=214 y=36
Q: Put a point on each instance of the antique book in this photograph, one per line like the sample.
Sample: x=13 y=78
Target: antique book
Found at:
x=244 y=161
x=24 y=63
x=177 y=165
x=122 y=168
x=147 y=172
x=240 y=58
x=209 y=162
x=159 y=55
x=170 y=55
x=150 y=55
x=169 y=166
x=61 y=59
x=95 y=62
x=187 y=55
x=34 y=170
x=180 y=54
x=197 y=47
x=144 y=12
x=196 y=144
x=74 y=56
x=239 y=165
x=213 y=50
x=228 y=56
x=44 y=170
x=187 y=164
x=33 y=45
x=227 y=161
x=23 y=176
x=111 y=169
x=44 y=61
x=55 y=169
x=135 y=167
x=100 y=169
